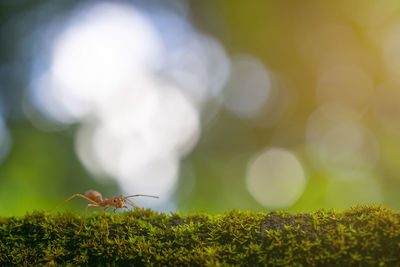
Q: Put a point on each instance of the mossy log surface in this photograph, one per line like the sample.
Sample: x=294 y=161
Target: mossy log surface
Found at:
x=360 y=236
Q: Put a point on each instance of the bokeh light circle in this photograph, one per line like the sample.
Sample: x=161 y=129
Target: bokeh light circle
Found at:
x=248 y=87
x=276 y=178
x=340 y=144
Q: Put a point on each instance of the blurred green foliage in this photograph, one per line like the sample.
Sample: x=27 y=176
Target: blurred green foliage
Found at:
x=42 y=168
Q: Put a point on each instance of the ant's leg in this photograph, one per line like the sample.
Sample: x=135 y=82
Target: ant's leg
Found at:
x=105 y=219
x=71 y=197
x=133 y=204
x=84 y=214
x=115 y=209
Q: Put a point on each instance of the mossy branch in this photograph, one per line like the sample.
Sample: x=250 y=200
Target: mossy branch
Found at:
x=363 y=235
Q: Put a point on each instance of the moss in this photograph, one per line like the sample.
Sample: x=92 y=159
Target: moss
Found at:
x=362 y=235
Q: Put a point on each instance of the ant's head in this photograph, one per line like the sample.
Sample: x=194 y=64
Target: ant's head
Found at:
x=121 y=201
x=118 y=202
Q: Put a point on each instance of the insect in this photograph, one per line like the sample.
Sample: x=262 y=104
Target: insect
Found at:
x=96 y=200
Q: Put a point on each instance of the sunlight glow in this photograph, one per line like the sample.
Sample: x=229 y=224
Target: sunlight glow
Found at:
x=135 y=90
x=99 y=51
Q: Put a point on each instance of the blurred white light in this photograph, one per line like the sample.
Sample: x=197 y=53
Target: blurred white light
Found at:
x=159 y=176
x=248 y=87
x=276 y=178
x=131 y=106
x=172 y=128
x=121 y=155
x=324 y=118
x=136 y=161
x=217 y=64
x=340 y=144
x=176 y=125
x=348 y=149
x=136 y=85
x=100 y=50
x=281 y=99
x=84 y=147
x=200 y=66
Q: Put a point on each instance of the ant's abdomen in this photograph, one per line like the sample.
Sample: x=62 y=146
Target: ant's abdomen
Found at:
x=94 y=195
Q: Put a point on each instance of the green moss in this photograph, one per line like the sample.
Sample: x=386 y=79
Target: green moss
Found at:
x=362 y=235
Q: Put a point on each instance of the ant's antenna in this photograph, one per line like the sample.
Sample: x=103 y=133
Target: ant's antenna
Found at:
x=125 y=197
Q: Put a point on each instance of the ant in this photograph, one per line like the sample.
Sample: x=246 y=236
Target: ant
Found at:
x=96 y=200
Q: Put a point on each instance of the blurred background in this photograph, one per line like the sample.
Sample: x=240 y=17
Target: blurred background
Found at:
x=211 y=105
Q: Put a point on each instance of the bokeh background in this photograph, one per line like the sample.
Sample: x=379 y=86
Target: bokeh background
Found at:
x=211 y=105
